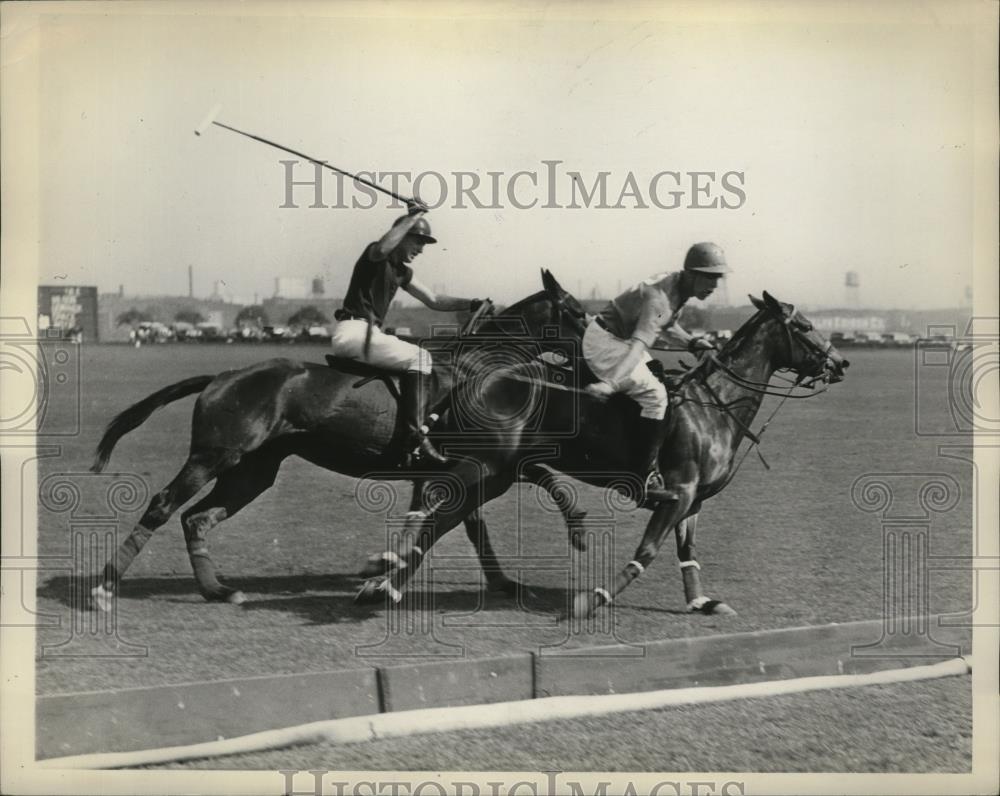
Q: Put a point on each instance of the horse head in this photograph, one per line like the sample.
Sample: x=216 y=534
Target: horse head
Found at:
x=805 y=350
x=550 y=314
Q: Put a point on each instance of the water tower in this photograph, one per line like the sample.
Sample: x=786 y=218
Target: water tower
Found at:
x=852 y=290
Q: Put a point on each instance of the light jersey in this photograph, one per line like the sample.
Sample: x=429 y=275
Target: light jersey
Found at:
x=373 y=285
x=645 y=310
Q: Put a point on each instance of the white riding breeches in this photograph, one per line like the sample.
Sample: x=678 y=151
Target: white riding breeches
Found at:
x=603 y=352
x=384 y=350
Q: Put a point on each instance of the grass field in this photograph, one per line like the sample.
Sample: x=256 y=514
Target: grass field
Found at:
x=785 y=546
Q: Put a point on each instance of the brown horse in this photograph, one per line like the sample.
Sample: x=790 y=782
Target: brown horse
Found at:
x=710 y=415
x=247 y=422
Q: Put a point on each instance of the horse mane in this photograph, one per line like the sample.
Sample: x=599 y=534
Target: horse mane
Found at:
x=526 y=300
x=733 y=344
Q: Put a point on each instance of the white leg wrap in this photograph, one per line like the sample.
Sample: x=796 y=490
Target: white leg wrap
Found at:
x=416 y=549
x=391 y=558
x=392 y=591
x=603 y=594
x=697 y=603
x=686 y=564
x=103 y=599
x=639 y=568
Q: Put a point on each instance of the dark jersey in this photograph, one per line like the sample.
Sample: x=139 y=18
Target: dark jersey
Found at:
x=373 y=286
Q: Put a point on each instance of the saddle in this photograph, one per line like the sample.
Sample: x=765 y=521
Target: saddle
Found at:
x=368 y=373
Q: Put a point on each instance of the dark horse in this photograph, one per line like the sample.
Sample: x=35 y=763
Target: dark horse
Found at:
x=710 y=415
x=247 y=422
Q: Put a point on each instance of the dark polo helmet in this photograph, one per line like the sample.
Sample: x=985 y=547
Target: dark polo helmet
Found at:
x=707 y=258
x=420 y=230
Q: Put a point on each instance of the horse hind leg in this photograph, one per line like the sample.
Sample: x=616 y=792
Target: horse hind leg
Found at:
x=234 y=489
x=565 y=495
x=196 y=472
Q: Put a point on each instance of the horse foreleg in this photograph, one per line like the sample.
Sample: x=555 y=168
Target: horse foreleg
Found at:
x=424 y=528
x=475 y=528
x=195 y=473
x=496 y=580
x=665 y=516
x=697 y=601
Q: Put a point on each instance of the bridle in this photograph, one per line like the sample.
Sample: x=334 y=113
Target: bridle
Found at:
x=817 y=360
x=795 y=327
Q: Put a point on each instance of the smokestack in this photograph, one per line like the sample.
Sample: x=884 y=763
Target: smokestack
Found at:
x=190 y=281
x=121 y=291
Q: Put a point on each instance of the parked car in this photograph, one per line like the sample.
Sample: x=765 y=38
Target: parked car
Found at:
x=211 y=332
x=186 y=332
x=154 y=332
x=869 y=339
x=317 y=334
x=278 y=334
x=897 y=339
x=936 y=341
x=843 y=339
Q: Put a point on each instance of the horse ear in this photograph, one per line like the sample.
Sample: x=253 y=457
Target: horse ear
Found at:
x=757 y=302
x=551 y=283
x=773 y=303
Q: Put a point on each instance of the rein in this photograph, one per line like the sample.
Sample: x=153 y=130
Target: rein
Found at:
x=759 y=388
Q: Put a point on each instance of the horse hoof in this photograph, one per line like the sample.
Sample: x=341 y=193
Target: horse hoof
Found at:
x=381 y=564
x=101 y=599
x=236 y=598
x=710 y=607
x=377 y=591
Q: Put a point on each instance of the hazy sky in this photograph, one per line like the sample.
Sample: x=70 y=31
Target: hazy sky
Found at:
x=854 y=140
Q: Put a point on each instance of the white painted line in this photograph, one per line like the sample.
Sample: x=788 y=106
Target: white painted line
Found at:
x=466 y=717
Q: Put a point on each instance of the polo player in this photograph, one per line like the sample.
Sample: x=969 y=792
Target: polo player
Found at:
x=382 y=269
x=617 y=341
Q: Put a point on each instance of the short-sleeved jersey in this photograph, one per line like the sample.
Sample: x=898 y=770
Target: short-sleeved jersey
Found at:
x=645 y=310
x=373 y=285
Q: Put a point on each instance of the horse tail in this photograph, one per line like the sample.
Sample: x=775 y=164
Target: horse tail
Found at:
x=139 y=413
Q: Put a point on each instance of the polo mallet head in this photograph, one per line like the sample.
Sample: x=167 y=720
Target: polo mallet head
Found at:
x=209 y=118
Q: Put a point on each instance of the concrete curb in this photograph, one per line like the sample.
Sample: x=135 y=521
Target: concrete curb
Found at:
x=172 y=715
x=359 y=729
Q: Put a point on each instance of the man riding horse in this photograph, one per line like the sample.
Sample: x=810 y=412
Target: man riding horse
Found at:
x=617 y=342
x=382 y=269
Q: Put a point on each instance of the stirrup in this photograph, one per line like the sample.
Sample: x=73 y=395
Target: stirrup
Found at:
x=654 y=490
x=426 y=451
x=422 y=454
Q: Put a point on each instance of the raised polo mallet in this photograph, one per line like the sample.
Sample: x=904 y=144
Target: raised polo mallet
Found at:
x=210 y=120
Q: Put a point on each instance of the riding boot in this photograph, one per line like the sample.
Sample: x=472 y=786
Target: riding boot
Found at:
x=417 y=447
x=651 y=434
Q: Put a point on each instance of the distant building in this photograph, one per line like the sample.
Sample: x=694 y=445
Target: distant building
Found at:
x=291 y=287
x=68 y=308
